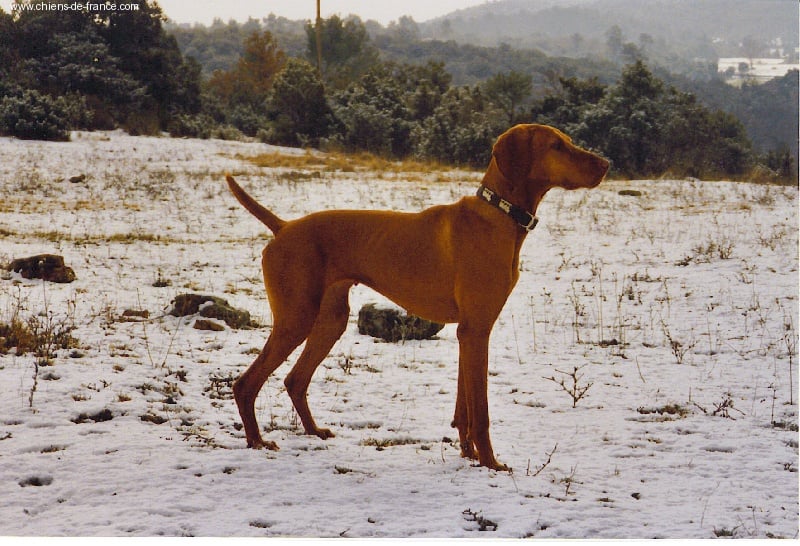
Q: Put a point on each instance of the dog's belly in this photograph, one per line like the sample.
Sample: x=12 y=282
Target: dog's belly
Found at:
x=433 y=307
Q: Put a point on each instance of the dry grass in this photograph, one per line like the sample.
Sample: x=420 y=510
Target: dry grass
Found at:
x=35 y=203
x=38 y=335
x=345 y=163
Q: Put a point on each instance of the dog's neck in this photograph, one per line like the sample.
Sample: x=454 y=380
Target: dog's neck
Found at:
x=522 y=217
x=515 y=200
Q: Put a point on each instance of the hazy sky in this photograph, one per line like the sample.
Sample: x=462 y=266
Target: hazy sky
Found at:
x=383 y=11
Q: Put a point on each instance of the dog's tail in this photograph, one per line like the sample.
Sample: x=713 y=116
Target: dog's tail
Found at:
x=254 y=207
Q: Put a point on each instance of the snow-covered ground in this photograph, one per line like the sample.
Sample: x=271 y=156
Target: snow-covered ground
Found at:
x=678 y=307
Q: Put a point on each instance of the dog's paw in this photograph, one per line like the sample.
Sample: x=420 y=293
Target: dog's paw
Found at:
x=500 y=467
x=261 y=444
x=323 y=433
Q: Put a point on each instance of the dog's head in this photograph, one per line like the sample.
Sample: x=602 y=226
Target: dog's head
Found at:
x=546 y=158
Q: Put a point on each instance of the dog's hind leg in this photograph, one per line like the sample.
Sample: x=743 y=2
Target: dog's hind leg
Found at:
x=294 y=311
x=328 y=328
x=281 y=343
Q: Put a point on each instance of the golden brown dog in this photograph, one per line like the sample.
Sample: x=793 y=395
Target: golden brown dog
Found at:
x=450 y=263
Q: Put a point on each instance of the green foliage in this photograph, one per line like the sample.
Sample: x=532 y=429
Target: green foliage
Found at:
x=460 y=131
x=380 y=90
x=298 y=107
x=781 y=163
x=250 y=80
x=152 y=57
x=768 y=111
x=94 y=69
x=508 y=90
x=377 y=112
x=237 y=96
x=32 y=115
x=471 y=64
x=220 y=45
x=648 y=128
x=346 y=50
x=192 y=126
x=80 y=63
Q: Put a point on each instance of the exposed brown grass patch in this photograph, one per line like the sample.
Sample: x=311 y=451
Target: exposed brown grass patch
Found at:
x=344 y=163
x=38 y=335
x=31 y=204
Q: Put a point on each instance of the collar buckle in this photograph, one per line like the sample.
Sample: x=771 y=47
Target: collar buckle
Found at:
x=532 y=224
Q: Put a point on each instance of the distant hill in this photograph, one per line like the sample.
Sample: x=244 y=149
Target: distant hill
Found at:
x=580 y=26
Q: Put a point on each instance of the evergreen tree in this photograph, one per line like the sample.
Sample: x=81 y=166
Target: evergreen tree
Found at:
x=298 y=107
x=508 y=90
x=346 y=50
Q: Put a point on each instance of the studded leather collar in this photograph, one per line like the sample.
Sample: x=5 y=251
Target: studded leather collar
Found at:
x=525 y=219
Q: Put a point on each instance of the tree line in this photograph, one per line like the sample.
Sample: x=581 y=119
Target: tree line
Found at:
x=83 y=70
x=368 y=95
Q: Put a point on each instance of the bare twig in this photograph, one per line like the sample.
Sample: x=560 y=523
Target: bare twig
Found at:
x=574 y=390
x=544 y=465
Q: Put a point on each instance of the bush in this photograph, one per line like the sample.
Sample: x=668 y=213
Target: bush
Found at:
x=186 y=125
x=77 y=113
x=368 y=128
x=34 y=116
x=781 y=163
x=459 y=132
x=473 y=144
x=298 y=107
x=245 y=118
x=227 y=132
x=143 y=122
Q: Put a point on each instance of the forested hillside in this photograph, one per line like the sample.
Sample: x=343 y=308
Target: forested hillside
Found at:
x=768 y=112
x=688 y=28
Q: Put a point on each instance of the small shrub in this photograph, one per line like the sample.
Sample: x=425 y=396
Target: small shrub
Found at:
x=484 y=524
x=574 y=389
x=721 y=248
x=16 y=334
x=247 y=119
x=382 y=443
x=227 y=132
x=142 y=122
x=41 y=336
x=666 y=412
x=220 y=387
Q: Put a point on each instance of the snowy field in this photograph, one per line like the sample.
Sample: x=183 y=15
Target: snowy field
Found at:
x=678 y=307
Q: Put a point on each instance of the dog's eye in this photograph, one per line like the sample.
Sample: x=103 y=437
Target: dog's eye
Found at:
x=558 y=145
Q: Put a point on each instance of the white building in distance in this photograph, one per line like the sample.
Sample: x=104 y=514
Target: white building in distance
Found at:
x=742 y=69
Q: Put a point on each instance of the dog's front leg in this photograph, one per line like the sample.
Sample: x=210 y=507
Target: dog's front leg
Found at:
x=473 y=368
x=461 y=419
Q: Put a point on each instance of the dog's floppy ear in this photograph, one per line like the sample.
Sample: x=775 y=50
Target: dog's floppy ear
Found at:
x=513 y=153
